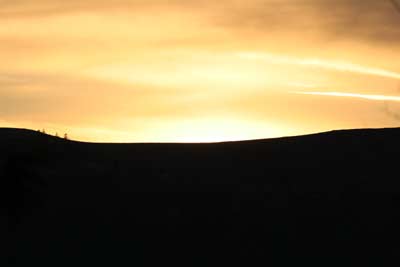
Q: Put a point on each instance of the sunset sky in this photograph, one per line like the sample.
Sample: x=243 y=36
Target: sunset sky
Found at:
x=198 y=71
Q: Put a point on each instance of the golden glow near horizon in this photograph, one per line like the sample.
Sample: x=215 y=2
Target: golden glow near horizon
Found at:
x=198 y=71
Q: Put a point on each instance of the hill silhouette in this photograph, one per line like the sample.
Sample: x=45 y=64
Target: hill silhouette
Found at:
x=328 y=199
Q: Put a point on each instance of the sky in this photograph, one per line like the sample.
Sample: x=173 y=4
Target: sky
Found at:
x=198 y=71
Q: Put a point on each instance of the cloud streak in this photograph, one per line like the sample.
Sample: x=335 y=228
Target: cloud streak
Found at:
x=324 y=64
x=396 y=5
x=367 y=20
x=353 y=95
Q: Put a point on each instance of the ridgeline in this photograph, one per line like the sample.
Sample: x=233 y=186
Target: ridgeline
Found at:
x=328 y=199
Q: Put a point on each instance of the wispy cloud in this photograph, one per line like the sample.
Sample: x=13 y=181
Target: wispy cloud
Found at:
x=395 y=4
x=323 y=64
x=353 y=95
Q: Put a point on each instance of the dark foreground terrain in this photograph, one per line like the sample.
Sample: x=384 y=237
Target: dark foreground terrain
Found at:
x=329 y=199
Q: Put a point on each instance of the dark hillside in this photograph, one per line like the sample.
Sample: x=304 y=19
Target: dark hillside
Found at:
x=329 y=199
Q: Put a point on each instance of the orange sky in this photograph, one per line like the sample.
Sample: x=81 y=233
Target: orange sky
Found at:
x=198 y=71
